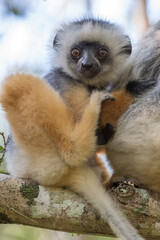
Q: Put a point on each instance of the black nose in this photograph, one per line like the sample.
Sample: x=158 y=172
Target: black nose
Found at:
x=87 y=66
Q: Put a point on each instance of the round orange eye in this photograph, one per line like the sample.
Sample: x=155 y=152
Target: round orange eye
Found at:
x=75 y=52
x=102 y=53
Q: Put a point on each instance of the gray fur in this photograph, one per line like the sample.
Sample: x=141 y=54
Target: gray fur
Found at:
x=144 y=62
x=135 y=150
x=147 y=54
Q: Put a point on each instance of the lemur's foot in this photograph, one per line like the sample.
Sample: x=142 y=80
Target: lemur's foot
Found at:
x=123 y=181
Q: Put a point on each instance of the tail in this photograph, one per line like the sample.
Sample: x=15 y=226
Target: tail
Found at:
x=85 y=182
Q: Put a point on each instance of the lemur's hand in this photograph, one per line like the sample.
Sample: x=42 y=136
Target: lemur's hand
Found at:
x=104 y=95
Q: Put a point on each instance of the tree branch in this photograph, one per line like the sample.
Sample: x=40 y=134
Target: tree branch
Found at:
x=24 y=202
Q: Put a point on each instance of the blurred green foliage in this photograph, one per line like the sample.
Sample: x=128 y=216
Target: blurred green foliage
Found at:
x=2 y=169
x=16 y=232
x=16 y=7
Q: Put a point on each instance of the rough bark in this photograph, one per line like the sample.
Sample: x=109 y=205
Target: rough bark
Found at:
x=25 y=202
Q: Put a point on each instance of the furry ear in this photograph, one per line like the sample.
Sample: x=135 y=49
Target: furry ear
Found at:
x=127 y=49
x=129 y=45
x=55 y=41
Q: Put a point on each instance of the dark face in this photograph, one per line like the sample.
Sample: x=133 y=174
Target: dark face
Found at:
x=89 y=58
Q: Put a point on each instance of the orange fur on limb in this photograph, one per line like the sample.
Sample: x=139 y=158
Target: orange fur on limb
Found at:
x=41 y=119
x=112 y=111
x=25 y=91
x=105 y=175
x=39 y=111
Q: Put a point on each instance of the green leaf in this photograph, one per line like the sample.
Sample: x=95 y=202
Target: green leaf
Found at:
x=1 y=148
x=3 y=167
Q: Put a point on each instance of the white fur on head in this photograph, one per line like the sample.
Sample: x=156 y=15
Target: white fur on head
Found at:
x=90 y=30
